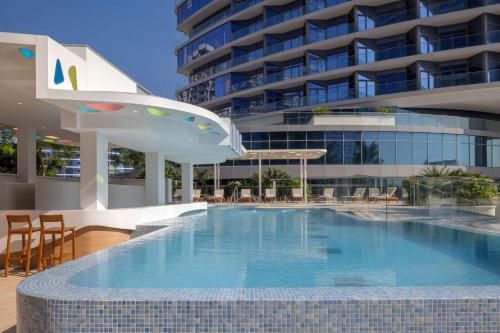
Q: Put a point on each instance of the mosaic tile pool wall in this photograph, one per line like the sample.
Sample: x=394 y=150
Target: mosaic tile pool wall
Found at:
x=47 y=303
x=301 y=316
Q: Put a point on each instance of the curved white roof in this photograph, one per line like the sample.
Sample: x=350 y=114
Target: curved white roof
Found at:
x=65 y=90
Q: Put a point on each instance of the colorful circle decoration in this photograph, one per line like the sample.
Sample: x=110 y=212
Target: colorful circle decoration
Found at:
x=64 y=141
x=105 y=107
x=27 y=53
x=202 y=127
x=86 y=109
x=189 y=118
x=48 y=140
x=157 y=113
x=213 y=133
x=52 y=137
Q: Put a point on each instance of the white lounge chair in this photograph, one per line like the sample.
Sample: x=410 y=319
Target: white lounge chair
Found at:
x=358 y=194
x=297 y=194
x=246 y=195
x=269 y=194
x=373 y=192
x=218 y=196
x=178 y=194
x=328 y=194
x=390 y=195
x=196 y=195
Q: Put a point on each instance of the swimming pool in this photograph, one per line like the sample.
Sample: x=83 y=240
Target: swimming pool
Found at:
x=299 y=248
x=248 y=270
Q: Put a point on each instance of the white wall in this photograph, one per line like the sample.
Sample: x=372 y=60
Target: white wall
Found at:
x=54 y=193
x=17 y=196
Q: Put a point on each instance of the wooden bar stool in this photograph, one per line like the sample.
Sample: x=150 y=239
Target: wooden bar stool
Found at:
x=23 y=231
x=61 y=230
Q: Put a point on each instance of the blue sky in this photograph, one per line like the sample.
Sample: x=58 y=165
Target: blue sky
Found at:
x=138 y=36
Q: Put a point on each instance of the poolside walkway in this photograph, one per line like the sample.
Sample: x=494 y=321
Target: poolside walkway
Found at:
x=8 y=303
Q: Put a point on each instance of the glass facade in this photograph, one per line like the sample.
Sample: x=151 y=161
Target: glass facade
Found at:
x=380 y=148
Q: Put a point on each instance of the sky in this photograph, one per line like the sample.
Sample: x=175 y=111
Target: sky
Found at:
x=138 y=36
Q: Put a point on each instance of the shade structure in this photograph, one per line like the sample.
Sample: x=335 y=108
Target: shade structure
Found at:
x=282 y=154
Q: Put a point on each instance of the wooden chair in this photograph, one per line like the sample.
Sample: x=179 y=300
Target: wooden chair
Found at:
x=197 y=195
x=270 y=194
x=61 y=230
x=23 y=231
x=297 y=194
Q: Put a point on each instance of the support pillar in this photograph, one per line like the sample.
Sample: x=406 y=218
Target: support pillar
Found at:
x=93 y=171
x=155 y=179
x=260 y=176
x=187 y=182
x=26 y=155
x=305 y=180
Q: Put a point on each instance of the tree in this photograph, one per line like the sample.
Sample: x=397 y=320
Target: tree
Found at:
x=132 y=158
x=172 y=171
x=202 y=177
x=52 y=158
x=433 y=172
x=8 y=152
x=284 y=181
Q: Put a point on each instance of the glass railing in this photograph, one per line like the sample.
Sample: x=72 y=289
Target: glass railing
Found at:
x=285 y=45
x=377 y=89
x=247 y=30
x=285 y=16
x=238 y=6
x=253 y=55
x=281 y=76
x=269 y=107
x=247 y=84
x=209 y=22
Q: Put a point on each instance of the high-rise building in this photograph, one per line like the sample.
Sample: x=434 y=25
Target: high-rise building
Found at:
x=386 y=87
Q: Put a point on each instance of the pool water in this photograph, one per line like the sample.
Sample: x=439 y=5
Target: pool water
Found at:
x=231 y=247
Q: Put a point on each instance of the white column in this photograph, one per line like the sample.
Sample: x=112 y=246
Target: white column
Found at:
x=93 y=171
x=260 y=176
x=187 y=182
x=215 y=178
x=305 y=180
x=26 y=155
x=155 y=179
x=301 y=175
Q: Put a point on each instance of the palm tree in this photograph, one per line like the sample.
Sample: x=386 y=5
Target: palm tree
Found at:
x=433 y=171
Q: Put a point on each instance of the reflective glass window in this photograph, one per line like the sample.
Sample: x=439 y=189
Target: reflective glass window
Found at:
x=335 y=154
x=387 y=152
x=420 y=153
x=403 y=152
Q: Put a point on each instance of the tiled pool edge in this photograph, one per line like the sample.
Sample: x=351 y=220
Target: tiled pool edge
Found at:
x=47 y=303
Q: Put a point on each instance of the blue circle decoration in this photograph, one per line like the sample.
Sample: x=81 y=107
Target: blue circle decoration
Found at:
x=27 y=53
x=189 y=118
x=87 y=109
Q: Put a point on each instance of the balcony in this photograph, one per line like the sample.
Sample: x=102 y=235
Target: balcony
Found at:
x=315 y=67
x=381 y=20
x=345 y=93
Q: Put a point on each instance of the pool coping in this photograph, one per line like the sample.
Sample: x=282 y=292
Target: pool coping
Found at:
x=53 y=284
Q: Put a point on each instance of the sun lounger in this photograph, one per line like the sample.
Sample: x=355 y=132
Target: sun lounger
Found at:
x=217 y=197
x=373 y=192
x=328 y=193
x=270 y=194
x=197 y=196
x=389 y=196
x=297 y=194
x=178 y=195
x=245 y=195
x=358 y=194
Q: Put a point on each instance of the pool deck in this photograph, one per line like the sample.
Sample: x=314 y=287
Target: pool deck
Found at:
x=47 y=302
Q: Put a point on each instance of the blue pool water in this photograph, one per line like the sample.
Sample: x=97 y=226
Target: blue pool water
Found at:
x=271 y=248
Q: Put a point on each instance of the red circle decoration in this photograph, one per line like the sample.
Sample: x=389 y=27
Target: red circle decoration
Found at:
x=105 y=107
